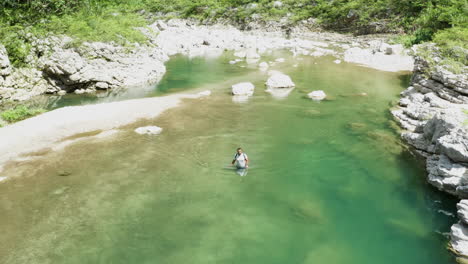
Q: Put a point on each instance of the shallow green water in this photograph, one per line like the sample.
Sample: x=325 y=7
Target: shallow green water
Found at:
x=329 y=181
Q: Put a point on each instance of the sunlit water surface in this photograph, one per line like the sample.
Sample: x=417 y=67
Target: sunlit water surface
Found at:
x=329 y=181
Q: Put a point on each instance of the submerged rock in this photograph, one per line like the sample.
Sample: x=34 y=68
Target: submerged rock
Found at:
x=149 y=130
x=244 y=88
x=317 y=95
x=279 y=93
x=205 y=93
x=279 y=80
x=263 y=66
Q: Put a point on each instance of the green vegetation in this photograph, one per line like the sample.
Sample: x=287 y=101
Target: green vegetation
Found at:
x=443 y=21
x=20 y=113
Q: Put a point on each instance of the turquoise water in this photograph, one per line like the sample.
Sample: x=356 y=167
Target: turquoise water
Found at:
x=329 y=181
x=181 y=73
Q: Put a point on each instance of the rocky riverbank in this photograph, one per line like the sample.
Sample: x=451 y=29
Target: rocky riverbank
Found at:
x=433 y=112
x=57 y=66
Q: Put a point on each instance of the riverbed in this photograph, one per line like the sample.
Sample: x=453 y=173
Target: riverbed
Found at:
x=329 y=182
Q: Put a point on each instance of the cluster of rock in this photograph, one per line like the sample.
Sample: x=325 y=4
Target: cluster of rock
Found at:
x=434 y=114
x=380 y=55
x=55 y=65
x=279 y=85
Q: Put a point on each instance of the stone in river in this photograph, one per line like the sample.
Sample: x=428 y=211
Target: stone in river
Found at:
x=279 y=80
x=244 y=88
x=317 y=95
x=149 y=130
x=263 y=66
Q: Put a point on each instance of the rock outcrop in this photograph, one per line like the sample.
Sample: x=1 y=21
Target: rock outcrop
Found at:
x=433 y=112
x=381 y=56
x=317 y=95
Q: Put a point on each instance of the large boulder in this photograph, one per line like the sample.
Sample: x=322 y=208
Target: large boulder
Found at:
x=445 y=174
x=244 y=88
x=279 y=80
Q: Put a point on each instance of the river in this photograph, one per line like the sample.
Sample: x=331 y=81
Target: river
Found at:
x=329 y=182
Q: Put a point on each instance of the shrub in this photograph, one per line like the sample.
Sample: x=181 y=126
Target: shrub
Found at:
x=20 y=113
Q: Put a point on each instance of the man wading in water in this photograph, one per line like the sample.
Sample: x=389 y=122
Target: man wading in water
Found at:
x=241 y=158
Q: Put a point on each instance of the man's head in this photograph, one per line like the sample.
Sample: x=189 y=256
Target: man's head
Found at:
x=239 y=150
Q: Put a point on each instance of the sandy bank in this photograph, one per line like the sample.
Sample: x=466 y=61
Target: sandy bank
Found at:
x=46 y=130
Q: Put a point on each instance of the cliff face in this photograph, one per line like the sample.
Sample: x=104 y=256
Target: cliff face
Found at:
x=433 y=112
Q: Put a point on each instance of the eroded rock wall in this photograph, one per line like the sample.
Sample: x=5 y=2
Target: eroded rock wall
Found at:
x=433 y=112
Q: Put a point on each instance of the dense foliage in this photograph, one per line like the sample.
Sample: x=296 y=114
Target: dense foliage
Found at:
x=443 y=21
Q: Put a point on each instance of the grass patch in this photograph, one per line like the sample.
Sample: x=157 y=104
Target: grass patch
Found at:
x=110 y=26
x=20 y=113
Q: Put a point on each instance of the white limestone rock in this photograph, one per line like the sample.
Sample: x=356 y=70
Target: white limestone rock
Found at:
x=149 y=130
x=459 y=238
x=462 y=211
x=263 y=66
x=317 y=95
x=204 y=93
x=444 y=174
x=244 y=88
x=279 y=80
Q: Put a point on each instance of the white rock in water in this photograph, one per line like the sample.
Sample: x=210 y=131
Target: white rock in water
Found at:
x=62 y=92
x=244 y=88
x=280 y=60
x=317 y=95
x=149 y=130
x=337 y=61
x=5 y=65
x=279 y=80
x=3 y=178
x=205 y=93
x=263 y=66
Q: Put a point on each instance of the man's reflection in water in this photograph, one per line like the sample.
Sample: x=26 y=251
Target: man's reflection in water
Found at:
x=242 y=172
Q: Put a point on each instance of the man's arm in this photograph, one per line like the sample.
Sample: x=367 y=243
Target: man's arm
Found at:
x=233 y=161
